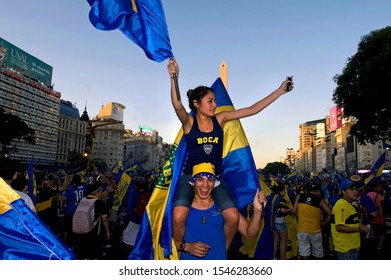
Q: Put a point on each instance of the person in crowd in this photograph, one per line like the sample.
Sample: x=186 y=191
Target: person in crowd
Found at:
x=208 y=125
x=204 y=238
x=279 y=210
x=90 y=243
x=308 y=208
x=137 y=201
x=71 y=198
x=58 y=181
x=9 y=173
x=345 y=224
x=20 y=185
x=108 y=188
x=367 y=211
x=378 y=224
x=45 y=194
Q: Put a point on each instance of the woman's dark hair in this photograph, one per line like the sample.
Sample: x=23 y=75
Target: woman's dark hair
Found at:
x=197 y=94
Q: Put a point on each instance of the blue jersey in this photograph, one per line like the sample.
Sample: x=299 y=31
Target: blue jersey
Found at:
x=73 y=195
x=206 y=226
x=204 y=147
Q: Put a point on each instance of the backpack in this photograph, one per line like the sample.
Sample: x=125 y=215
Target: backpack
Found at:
x=83 y=220
x=142 y=203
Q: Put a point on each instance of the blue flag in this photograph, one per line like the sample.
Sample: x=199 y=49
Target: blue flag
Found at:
x=141 y=21
x=154 y=240
x=32 y=188
x=23 y=236
x=376 y=171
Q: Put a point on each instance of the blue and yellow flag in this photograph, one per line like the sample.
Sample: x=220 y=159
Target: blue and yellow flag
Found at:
x=124 y=184
x=292 y=176
x=141 y=21
x=132 y=170
x=117 y=170
x=23 y=236
x=154 y=240
x=262 y=247
x=376 y=171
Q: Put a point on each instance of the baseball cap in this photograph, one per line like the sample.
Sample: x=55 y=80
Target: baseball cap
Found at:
x=346 y=184
x=204 y=169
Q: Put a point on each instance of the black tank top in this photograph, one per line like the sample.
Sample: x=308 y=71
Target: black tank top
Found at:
x=204 y=147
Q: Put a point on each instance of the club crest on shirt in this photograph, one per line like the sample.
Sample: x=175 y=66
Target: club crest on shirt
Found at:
x=208 y=148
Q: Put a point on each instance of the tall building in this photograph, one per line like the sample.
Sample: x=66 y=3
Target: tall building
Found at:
x=26 y=91
x=71 y=131
x=109 y=132
x=145 y=148
x=311 y=139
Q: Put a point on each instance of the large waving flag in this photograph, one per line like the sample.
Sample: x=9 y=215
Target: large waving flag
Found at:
x=154 y=240
x=377 y=170
x=23 y=236
x=141 y=21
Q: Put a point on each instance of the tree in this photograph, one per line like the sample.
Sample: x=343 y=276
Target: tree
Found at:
x=275 y=168
x=12 y=127
x=363 y=87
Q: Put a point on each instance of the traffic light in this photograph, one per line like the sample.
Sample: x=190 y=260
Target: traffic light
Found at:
x=90 y=134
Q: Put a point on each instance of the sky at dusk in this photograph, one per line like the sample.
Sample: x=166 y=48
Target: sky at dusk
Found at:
x=261 y=42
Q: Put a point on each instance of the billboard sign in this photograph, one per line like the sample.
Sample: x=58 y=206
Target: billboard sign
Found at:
x=320 y=130
x=24 y=63
x=145 y=130
x=335 y=118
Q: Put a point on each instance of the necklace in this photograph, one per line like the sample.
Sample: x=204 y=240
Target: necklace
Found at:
x=203 y=218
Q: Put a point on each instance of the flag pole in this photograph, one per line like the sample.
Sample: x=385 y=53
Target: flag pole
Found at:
x=175 y=77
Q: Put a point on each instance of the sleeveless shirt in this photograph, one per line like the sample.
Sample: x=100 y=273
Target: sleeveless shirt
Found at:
x=204 y=147
x=206 y=226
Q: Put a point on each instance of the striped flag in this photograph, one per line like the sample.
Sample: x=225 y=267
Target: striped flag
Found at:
x=377 y=170
x=23 y=236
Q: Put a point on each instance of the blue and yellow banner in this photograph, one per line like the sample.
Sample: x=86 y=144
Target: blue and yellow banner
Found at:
x=23 y=236
x=376 y=171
